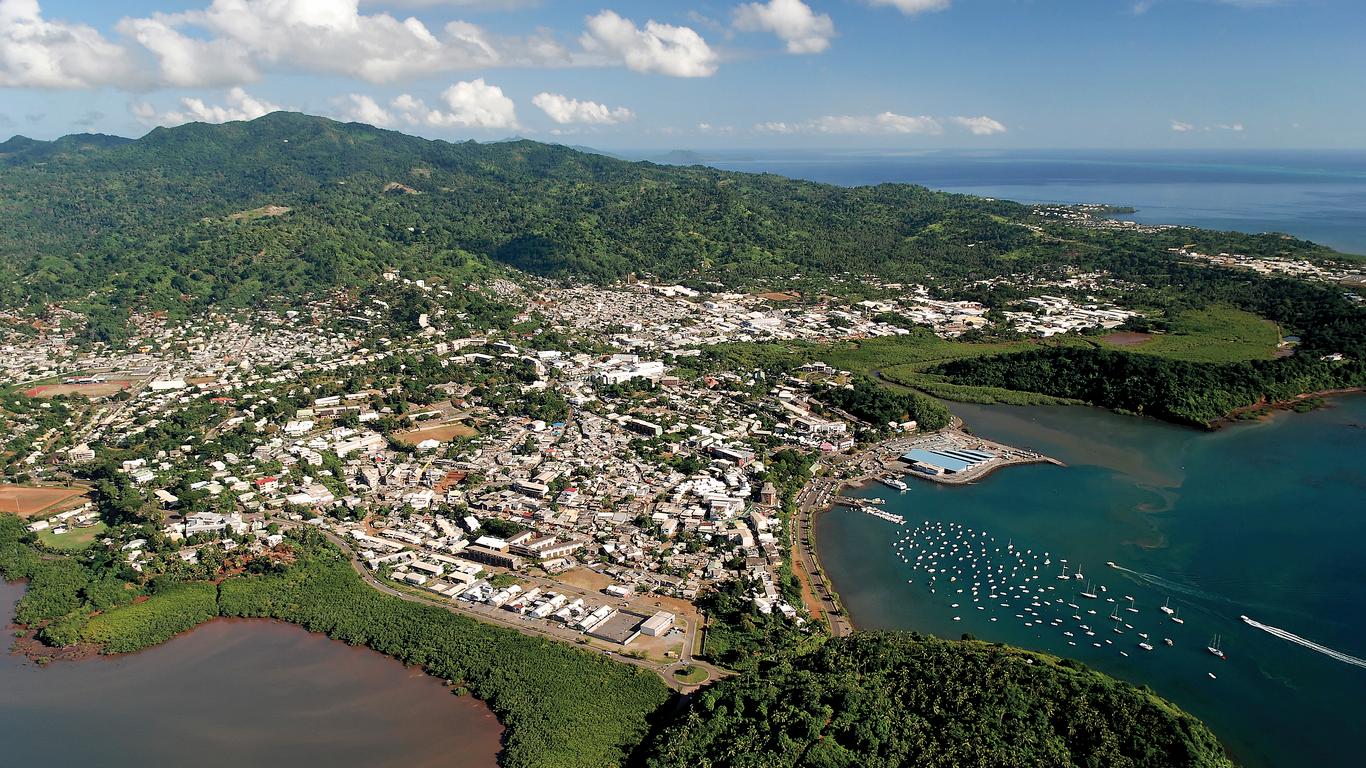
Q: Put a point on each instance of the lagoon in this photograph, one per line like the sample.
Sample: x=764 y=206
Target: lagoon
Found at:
x=234 y=693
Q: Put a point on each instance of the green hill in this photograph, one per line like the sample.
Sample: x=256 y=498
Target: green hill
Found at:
x=149 y=221
x=877 y=700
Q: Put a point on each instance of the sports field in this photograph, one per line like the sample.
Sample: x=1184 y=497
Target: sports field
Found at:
x=27 y=501
x=102 y=389
x=442 y=433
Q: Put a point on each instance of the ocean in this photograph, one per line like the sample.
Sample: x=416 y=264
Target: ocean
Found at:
x=1263 y=519
x=1316 y=195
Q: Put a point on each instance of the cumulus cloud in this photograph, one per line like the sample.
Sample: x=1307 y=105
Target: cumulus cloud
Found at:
x=364 y=109
x=565 y=110
x=1182 y=127
x=662 y=48
x=38 y=53
x=471 y=104
x=912 y=7
x=332 y=37
x=232 y=42
x=792 y=21
x=980 y=125
x=240 y=106
x=189 y=61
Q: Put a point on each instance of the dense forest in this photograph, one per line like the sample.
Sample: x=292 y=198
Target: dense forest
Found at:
x=1197 y=394
x=875 y=700
x=183 y=215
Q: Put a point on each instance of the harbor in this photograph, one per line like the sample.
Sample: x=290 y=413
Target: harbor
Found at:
x=1145 y=511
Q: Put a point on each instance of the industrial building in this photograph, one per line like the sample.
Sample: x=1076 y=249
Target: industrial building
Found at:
x=945 y=461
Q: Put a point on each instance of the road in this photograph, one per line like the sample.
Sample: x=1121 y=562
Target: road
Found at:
x=534 y=628
x=817 y=592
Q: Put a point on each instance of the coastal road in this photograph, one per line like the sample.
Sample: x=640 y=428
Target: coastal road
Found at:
x=491 y=615
x=816 y=590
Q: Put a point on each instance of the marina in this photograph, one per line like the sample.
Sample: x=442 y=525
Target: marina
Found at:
x=1195 y=553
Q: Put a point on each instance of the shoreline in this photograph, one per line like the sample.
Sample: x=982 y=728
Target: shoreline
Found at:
x=878 y=460
x=1264 y=409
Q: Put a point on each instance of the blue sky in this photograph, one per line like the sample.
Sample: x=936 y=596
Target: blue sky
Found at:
x=899 y=74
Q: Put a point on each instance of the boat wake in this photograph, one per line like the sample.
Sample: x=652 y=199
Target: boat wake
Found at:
x=1311 y=645
x=1172 y=586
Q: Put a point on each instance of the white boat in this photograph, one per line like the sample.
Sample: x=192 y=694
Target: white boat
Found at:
x=1211 y=676
x=1215 y=650
x=1168 y=641
x=1177 y=618
x=1145 y=646
x=1167 y=608
x=1088 y=594
x=893 y=482
x=1063 y=576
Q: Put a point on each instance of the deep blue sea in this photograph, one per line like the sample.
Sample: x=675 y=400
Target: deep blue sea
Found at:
x=1316 y=195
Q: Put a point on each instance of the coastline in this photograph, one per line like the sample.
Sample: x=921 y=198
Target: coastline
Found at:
x=857 y=471
x=1263 y=409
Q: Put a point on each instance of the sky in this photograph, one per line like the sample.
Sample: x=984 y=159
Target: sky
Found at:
x=699 y=74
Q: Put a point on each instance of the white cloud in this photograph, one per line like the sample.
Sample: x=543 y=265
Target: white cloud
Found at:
x=912 y=7
x=37 y=53
x=190 y=61
x=565 y=110
x=882 y=123
x=240 y=106
x=792 y=21
x=490 y=5
x=1183 y=127
x=363 y=109
x=662 y=48
x=234 y=40
x=472 y=104
x=777 y=127
x=980 y=125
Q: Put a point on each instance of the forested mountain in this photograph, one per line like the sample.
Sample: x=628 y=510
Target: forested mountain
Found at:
x=192 y=215
x=172 y=218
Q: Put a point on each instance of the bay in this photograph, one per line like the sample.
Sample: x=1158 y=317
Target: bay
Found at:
x=232 y=693
x=1265 y=519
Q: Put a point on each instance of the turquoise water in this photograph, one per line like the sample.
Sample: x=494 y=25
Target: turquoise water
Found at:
x=1264 y=519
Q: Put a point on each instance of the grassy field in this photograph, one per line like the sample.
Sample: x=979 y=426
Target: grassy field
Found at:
x=920 y=351
x=1211 y=335
x=690 y=675
x=74 y=539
